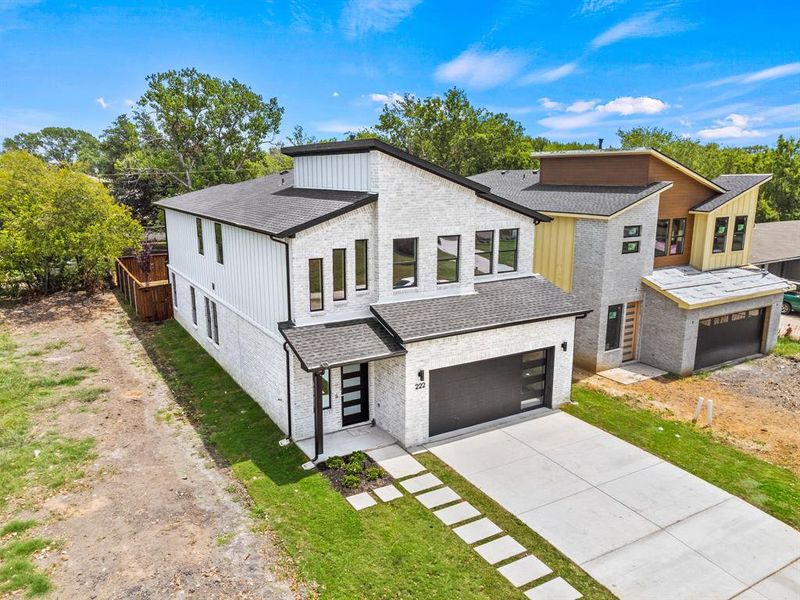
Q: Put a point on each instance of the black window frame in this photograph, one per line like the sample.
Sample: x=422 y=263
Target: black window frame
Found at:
x=358 y=253
x=218 y=242
x=396 y=263
x=501 y=252
x=738 y=239
x=662 y=224
x=343 y=265
x=484 y=252
x=325 y=377
x=717 y=236
x=215 y=322
x=631 y=246
x=613 y=334
x=440 y=260
x=201 y=248
x=212 y=324
x=627 y=234
x=680 y=238
x=193 y=296
x=174 y=291
x=321 y=286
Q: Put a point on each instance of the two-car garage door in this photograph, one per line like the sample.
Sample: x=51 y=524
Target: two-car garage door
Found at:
x=728 y=337
x=472 y=393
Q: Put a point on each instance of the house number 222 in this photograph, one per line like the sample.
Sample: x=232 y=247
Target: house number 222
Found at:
x=419 y=386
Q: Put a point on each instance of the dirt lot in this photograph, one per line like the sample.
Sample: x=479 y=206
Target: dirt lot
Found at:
x=155 y=516
x=756 y=404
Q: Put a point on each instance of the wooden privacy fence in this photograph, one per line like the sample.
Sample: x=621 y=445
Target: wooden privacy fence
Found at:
x=150 y=294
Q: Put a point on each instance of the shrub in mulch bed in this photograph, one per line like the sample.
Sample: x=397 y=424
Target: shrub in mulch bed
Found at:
x=354 y=473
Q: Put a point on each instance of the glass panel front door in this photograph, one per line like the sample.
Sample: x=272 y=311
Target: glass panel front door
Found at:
x=355 y=394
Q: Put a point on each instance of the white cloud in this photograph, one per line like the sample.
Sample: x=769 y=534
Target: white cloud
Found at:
x=582 y=106
x=103 y=104
x=574 y=121
x=550 y=75
x=734 y=126
x=628 y=105
x=360 y=17
x=593 y=6
x=130 y=102
x=391 y=98
x=480 y=70
x=551 y=104
x=775 y=72
x=649 y=24
x=336 y=126
x=335 y=94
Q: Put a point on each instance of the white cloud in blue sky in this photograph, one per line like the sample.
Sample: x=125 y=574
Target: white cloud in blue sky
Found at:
x=481 y=70
x=652 y=24
x=361 y=17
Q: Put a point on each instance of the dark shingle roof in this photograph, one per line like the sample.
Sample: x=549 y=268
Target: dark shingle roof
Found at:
x=735 y=185
x=495 y=304
x=774 y=242
x=523 y=187
x=268 y=204
x=336 y=344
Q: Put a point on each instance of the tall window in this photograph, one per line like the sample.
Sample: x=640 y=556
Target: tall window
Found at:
x=361 y=264
x=484 y=252
x=198 y=222
x=720 y=235
x=315 y=297
x=218 y=240
x=212 y=329
x=194 y=304
x=174 y=291
x=613 y=326
x=448 y=248
x=662 y=232
x=739 y=230
x=325 y=382
x=507 y=253
x=339 y=274
x=676 y=240
x=404 y=267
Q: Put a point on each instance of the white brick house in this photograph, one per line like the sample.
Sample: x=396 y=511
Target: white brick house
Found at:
x=371 y=287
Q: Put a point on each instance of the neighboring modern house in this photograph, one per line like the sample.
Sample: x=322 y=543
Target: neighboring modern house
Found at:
x=659 y=252
x=776 y=247
x=371 y=286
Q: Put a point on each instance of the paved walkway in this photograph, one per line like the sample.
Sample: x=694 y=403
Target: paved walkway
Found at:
x=640 y=526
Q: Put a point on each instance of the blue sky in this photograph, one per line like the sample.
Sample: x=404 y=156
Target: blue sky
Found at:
x=722 y=71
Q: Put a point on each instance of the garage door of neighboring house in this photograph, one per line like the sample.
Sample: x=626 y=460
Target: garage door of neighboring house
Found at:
x=728 y=337
x=477 y=392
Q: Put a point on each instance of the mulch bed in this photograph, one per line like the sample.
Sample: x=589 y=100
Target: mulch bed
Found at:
x=335 y=477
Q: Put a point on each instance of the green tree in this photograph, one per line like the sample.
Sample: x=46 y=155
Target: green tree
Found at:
x=62 y=146
x=58 y=227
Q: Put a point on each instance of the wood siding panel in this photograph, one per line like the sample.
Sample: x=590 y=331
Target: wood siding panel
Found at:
x=628 y=169
x=554 y=250
x=702 y=256
x=333 y=171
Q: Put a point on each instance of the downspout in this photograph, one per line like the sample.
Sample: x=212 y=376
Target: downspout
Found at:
x=286 y=344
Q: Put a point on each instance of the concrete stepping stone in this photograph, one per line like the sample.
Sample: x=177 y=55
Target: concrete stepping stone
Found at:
x=524 y=570
x=361 y=501
x=457 y=513
x=438 y=497
x=388 y=493
x=396 y=461
x=500 y=549
x=555 y=589
x=477 y=530
x=421 y=482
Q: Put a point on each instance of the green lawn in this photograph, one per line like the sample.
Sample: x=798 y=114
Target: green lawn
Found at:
x=773 y=489
x=395 y=550
x=787 y=347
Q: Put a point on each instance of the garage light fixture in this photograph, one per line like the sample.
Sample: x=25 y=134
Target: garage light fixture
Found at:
x=421 y=375
x=564 y=346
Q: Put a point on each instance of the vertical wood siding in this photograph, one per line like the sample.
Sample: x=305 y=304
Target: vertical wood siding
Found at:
x=253 y=277
x=333 y=172
x=554 y=251
x=702 y=256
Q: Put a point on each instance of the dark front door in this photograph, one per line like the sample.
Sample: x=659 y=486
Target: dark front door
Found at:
x=355 y=394
x=473 y=393
x=728 y=337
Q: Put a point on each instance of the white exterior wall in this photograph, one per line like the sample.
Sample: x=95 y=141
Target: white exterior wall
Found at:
x=333 y=172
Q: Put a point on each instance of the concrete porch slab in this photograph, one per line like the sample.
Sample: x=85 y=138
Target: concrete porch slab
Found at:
x=632 y=373
x=396 y=461
x=345 y=441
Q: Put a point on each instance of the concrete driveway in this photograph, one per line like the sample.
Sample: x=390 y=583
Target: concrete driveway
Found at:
x=640 y=526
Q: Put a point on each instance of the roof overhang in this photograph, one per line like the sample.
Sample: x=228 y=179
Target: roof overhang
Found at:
x=694 y=211
x=552 y=213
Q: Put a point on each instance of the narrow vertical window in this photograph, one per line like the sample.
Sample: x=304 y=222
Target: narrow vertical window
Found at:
x=199 y=225
x=662 y=232
x=208 y=317
x=507 y=253
x=325 y=382
x=315 y=298
x=194 y=304
x=739 y=230
x=484 y=252
x=613 y=326
x=339 y=274
x=218 y=240
x=720 y=235
x=174 y=291
x=214 y=325
x=678 y=236
x=447 y=256
x=404 y=263
x=361 y=264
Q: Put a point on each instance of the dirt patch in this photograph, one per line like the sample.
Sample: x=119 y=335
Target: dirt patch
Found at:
x=756 y=404
x=155 y=516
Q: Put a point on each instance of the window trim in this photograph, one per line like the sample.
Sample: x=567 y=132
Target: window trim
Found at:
x=415 y=262
x=618 y=321
x=441 y=260
x=625 y=244
x=682 y=237
x=743 y=237
x=500 y=251
x=625 y=233
x=215 y=322
x=208 y=316
x=201 y=248
x=193 y=296
x=344 y=274
x=715 y=235
x=218 y=242
x=481 y=254
x=666 y=238
x=321 y=286
x=366 y=265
